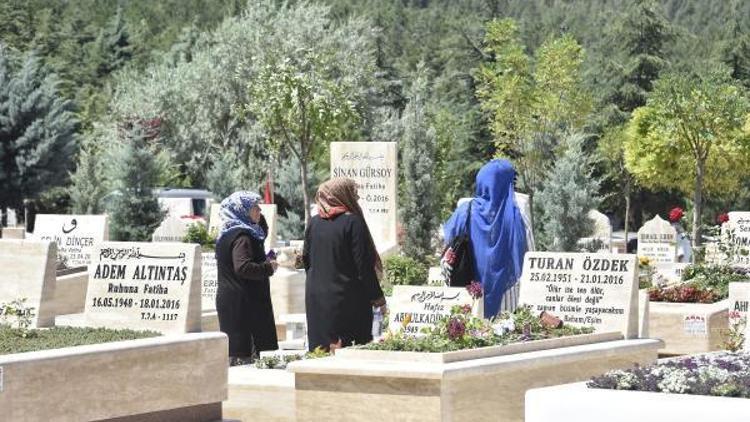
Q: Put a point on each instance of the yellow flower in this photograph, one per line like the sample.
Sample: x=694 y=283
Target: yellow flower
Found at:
x=406 y=321
x=644 y=261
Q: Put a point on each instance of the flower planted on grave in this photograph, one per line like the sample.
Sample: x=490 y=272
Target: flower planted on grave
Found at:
x=719 y=374
x=702 y=284
x=461 y=330
x=734 y=337
x=645 y=272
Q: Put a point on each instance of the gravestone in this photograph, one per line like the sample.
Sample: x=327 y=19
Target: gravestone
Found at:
x=214 y=219
x=739 y=300
x=145 y=286
x=269 y=212
x=737 y=232
x=27 y=271
x=423 y=306
x=12 y=219
x=210 y=281
x=172 y=229
x=435 y=276
x=374 y=167
x=583 y=289
x=602 y=234
x=670 y=273
x=657 y=240
x=75 y=235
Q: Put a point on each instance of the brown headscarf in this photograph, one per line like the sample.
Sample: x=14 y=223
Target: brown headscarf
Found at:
x=338 y=196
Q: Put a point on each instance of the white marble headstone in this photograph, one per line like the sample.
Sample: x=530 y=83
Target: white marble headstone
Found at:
x=214 y=219
x=670 y=273
x=210 y=281
x=374 y=166
x=75 y=235
x=423 y=306
x=171 y=229
x=602 y=230
x=584 y=289
x=145 y=286
x=12 y=219
x=657 y=239
x=737 y=232
x=27 y=271
x=739 y=301
x=269 y=212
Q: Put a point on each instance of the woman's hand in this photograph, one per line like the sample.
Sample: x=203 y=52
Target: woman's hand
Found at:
x=274 y=265
x=379 y=302
x=334 y=346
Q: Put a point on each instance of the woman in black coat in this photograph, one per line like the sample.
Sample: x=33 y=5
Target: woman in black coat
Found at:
x=342 y=268
x=243 y=296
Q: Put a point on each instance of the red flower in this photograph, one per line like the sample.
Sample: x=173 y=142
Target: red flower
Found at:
x=722 y=218
x=676 y=214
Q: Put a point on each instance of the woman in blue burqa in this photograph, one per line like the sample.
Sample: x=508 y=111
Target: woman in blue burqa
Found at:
x=498 y=235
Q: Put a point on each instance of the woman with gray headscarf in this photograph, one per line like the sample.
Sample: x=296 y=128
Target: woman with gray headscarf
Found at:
x=243 y=296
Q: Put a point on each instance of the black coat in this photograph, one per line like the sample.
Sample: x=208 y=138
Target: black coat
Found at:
x=341 y=281
x=243 y=296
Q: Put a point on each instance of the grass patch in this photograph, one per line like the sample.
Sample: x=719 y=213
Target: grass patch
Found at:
x=14 y=340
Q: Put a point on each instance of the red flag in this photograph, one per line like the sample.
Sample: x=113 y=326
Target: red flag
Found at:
x=267 y=195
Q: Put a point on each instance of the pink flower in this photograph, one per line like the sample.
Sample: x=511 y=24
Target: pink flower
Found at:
x=676 y=214
x=475 y=290
x=456 y=328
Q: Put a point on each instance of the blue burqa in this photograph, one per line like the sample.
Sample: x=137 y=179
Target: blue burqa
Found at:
x=498 y=234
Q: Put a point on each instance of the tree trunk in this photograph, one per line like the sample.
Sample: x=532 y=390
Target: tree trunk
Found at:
x=531 y=213
x=627 y=217
x=698 y=202
x=305 y=197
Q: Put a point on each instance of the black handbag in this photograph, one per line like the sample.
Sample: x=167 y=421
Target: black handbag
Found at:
x=457 y=262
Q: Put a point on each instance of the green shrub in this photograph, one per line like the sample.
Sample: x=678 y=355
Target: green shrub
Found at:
x=11 y=341
x=715 y=278
x=404 y=271
x=198 y=233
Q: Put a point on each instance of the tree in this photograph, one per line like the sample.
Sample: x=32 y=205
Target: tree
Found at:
x=689 y=137
x=611 y=151
x=225 y=176
x=37 y=132
x=88 y=184
x=735 y=51
x=112 y=49
x=312 y=76
x=418 y=156
x=643 y=33
x=134 y=210
x=530 y=108
x=568 y=195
